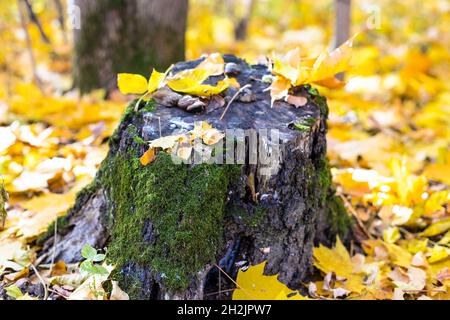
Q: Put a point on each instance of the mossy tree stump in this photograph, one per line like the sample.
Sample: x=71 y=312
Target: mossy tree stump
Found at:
x=168 y=227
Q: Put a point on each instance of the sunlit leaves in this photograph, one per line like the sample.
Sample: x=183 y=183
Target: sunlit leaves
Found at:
x=191 y=82
x=437 y=228
x=213 y=64
x=132 y=83
x=137 y=84
x=183 y=143
x=155 y=81
x=293 y=69
x=252 y=284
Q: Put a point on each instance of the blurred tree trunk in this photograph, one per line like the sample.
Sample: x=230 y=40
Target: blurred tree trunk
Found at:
x=342 y=24
x=240 y=22
x=132 y=36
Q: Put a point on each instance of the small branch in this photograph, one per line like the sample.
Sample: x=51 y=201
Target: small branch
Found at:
x=62 y=21
x=232 y=280
x=41 y=280
x=29 y=46
x=36 y=21
x=355 y=214
x=233 y=99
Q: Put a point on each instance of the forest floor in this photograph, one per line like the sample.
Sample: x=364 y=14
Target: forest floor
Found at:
x=388 y=144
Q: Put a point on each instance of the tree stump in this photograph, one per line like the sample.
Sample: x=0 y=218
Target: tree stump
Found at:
x=173 y=230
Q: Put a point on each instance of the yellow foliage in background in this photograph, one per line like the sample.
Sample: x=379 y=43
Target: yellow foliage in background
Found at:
x=388 y=139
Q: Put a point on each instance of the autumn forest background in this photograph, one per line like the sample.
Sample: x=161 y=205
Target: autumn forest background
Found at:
x=388 y=140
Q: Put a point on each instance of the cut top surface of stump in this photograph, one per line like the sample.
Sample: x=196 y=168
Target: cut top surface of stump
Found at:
x=250 y=110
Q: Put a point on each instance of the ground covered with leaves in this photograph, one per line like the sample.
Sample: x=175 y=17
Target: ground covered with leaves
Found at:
x=388 y=141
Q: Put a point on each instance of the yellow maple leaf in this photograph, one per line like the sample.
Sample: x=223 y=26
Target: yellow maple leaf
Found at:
x=335 y=260
x=399 y=256
x=338 y=260
x=292 y=70
x=213 y=64
x=254 y=285
x=328 y=64
x=132 y=83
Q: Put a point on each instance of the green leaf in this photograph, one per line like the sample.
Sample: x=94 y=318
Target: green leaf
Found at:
x=99 y=258
x=88 y=252
x=92 y=269
x=14 y=291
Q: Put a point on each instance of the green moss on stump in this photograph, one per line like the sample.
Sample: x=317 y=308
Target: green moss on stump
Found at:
x=166 y=216
x=339 y=221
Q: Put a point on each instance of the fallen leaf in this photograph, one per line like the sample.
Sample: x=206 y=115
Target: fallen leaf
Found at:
x=191 y=82
x=340 y=293
x=155 y=81
x=184 y=152
x=398 y=294
x=416 y=280
x=438 y=253
x=419 y=260
x=59 y=269
x=13 y=277
x=212 y=137
x=254 y=285
x=443 y=275
x=148 y=157
x=437 y=228
x=279 y=88
x=132 y=83
x=338 y=260
x=117 y=293
x=296 y=101
x=391 y=235
x=328 y=65
x=213 y=64
x=166 y=142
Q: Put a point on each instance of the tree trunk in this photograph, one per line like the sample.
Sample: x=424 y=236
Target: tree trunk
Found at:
x=169 y=227
x=126 y=36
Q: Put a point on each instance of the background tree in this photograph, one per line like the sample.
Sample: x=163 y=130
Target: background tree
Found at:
x=342 y=24
x=126 y=36
x=240 y=20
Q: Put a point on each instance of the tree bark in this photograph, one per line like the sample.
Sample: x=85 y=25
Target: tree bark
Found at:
x=174 y=229
x=127 y=36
